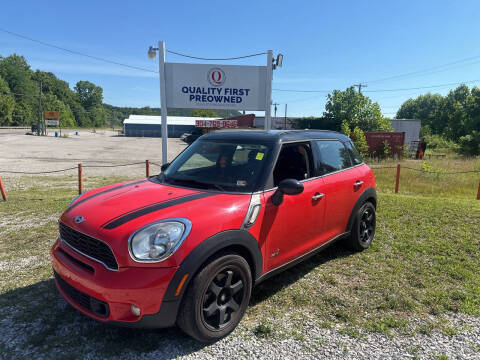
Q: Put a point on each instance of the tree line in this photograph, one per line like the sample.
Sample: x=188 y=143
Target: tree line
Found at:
x=351 y=113
x=451 y=121
x=448 y=121
x=81 y=106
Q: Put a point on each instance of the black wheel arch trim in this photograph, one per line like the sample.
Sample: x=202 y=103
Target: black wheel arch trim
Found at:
x=367 y=194
x=239 y=239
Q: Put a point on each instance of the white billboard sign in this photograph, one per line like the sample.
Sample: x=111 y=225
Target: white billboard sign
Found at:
x=52 y=122
x=226 y=87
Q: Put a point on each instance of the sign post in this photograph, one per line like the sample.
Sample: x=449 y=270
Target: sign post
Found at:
x=268 y=92
x=163 y=100
x=213 y=86
x=52 y=118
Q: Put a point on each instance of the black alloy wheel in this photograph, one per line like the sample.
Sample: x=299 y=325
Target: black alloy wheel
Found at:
x=216 y=298
x=363 y=229
x=367 y=226
x=222 y=299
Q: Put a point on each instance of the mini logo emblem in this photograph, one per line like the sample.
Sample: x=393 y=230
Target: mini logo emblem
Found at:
x=79 y=219
x=216 y=77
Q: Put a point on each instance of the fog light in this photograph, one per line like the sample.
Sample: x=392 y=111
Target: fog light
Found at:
x=135 y=310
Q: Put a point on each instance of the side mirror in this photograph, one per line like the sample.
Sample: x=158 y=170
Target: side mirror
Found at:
x=286 y=186
x=165 y=166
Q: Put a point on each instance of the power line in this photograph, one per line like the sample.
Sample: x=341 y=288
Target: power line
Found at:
x=77 y=52
x=425 y=87
x=428 y=70
x=381 y=90
x=215 y=59
x=303 y=91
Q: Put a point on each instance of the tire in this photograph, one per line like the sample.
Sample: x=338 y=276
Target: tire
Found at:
x=363 y=228
x=216 y=299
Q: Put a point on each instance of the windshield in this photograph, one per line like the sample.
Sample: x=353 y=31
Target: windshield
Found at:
x=221 y=165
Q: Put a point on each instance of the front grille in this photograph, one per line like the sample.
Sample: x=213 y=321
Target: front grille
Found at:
x=88 y=246
x=83 y=300
x=76 y=261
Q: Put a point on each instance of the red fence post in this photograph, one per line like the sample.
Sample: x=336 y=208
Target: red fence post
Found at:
x=478 y=193
x=397 y=180
x=147 y=168
x=2 y=190
x=80 y=179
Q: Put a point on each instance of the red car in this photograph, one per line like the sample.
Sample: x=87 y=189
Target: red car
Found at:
x=234 y=208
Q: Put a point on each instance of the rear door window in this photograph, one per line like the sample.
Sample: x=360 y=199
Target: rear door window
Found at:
x=332 y=156
x=294 y=162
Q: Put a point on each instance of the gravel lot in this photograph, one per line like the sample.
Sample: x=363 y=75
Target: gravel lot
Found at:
x=45 y=318
x=28 y=153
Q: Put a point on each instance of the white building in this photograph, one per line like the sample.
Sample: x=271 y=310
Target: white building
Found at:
x=150 y=126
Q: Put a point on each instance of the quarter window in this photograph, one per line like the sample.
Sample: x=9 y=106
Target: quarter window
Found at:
x=354 y=154
x=333 y=156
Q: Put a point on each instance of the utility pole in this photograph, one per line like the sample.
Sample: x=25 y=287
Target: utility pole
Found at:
x=275 y=109
x=285 y=116
x=360 y=87
x=39 y=108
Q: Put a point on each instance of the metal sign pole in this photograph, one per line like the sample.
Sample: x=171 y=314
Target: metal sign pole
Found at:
x=268 y=104
x=163 y=100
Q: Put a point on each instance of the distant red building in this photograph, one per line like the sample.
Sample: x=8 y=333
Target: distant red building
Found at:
x=394 y=139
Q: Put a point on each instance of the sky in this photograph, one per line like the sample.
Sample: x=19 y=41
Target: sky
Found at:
x=394 y=47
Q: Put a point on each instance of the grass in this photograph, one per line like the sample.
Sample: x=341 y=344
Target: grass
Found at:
x=438 y=183
x=422 y=266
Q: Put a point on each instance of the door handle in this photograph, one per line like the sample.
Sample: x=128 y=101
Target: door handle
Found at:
x=358 y=183
x=317 y=196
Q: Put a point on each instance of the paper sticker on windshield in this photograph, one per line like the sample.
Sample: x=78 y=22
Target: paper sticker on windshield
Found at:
x=259 y=156
x=241 y=182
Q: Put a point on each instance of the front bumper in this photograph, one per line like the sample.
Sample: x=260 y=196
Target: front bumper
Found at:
x=108 y=295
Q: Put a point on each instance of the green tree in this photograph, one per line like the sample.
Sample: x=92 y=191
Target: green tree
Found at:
x=355 y=110
x=360 y=141
x=470 y=144
x=98 y=116
x=204 y=113
x=89 y=94
x=7 y=103
x=15 y=70
x=52 y=103
x=428 y=108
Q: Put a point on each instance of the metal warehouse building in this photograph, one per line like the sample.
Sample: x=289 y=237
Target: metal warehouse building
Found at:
x=150 y=126
x=411 y=128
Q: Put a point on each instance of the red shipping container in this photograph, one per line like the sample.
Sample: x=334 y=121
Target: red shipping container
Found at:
x=394 y=139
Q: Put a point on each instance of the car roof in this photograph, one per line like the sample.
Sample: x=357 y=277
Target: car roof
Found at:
x=274 y=135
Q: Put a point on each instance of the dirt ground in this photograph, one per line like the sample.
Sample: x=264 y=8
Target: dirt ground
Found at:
x=27 y=153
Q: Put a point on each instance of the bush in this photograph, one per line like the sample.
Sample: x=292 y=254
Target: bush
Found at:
x=384 y=150
x=435 y=141
x=470 y=144
x=360 y=141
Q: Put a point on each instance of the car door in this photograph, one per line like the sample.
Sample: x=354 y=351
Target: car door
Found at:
x=341 y=184
x=290 y=229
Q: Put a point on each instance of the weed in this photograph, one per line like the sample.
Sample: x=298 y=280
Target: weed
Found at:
x=263 y=330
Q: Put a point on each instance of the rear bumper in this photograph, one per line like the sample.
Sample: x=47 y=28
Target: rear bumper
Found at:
x=107 y=295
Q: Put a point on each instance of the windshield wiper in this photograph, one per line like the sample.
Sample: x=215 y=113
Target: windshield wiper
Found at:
x=198 y=183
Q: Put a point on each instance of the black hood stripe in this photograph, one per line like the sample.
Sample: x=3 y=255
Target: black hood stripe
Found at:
x=105 y=192
x=152 y=208
x=143 y=207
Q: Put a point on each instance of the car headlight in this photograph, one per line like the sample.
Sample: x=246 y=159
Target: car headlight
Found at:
x=156 y=242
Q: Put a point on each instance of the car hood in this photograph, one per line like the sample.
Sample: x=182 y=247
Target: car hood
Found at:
x=113 y=213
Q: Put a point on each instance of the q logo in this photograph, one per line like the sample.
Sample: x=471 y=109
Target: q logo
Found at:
x=216 y=76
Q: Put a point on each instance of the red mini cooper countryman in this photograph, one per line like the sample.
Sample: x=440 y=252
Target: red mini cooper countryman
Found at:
x=186 y=247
